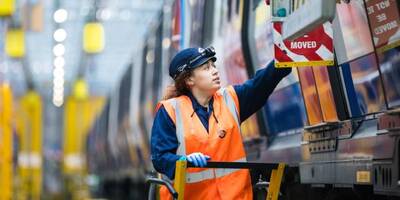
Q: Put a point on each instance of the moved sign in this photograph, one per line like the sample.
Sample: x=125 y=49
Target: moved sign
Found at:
x=312 y=49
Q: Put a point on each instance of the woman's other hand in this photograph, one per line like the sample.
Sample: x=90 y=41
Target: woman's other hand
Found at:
x=198 y=159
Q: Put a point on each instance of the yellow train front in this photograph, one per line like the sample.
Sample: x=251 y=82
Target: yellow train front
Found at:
x=80 y=82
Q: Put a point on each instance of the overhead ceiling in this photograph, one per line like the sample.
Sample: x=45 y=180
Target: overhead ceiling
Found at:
x=125 y=24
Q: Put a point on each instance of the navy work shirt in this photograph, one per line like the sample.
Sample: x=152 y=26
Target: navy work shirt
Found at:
x=252 y=96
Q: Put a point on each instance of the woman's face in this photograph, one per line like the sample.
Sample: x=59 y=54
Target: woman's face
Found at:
x=205 y=78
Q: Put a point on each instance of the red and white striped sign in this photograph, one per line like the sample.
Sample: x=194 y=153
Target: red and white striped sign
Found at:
x=313 y=49
x=385 y=23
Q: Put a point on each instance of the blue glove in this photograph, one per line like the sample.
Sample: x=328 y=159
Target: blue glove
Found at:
x=198 y=159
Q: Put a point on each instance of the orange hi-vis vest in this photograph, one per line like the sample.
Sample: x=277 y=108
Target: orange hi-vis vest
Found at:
x=223 y=142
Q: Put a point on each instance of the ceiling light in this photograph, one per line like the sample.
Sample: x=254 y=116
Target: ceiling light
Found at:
x=59 y=50
x=60 y=35
x=60 y=15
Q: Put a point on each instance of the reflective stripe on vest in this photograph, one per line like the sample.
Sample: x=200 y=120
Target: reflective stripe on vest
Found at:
x=179 y=128
x=230 y=103
x=195 y=177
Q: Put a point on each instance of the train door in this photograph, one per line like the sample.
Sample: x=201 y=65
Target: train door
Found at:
x=284 y=110
x=127 y=156
x=147 y=94
x=151 y=86
x=97 y=143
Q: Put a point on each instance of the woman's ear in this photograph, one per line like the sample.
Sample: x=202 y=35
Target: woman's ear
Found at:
x=190 y=81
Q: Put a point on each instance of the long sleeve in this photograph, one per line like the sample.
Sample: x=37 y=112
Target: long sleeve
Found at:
x=164 y=143
x=254 y=93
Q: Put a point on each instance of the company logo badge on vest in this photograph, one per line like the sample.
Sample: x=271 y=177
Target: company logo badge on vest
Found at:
x=221 y=133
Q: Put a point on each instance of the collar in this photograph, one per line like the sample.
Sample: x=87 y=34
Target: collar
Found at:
x=197 y=106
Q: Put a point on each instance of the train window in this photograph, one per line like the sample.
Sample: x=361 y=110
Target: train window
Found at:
x=237 y=7
x=208 y=22
x=384 y=22
x=263 y=36
x=180 y=26
x=390 y=67
x=311 y=98
x=176 y=26
x=197 y=22
x=354 y=31
x=325 y=94
x=233 y=70
x=233 y=60
x=318 y=95
x=284 y=110
x=363 y=86
x=229 y=14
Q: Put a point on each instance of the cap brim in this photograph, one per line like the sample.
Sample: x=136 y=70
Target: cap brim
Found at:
x=203 y=61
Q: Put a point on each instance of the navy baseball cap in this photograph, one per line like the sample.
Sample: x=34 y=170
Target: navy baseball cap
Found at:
x=189 y=59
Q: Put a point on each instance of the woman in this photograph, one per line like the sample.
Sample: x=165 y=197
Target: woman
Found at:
x=202 y=122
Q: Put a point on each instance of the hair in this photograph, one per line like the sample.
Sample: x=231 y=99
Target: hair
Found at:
x=179 y=87
x=180 y=83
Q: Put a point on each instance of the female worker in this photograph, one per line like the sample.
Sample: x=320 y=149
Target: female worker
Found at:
x=202 y=122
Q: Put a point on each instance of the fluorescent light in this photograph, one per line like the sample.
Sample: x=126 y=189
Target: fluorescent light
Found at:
x=58 y=72
x=58 y=102
x=59 y=62
x=60 y=15
x=60 y=35
x=59 y=50
x=58 y=81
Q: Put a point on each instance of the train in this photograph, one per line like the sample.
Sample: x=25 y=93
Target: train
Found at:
x=336 y=127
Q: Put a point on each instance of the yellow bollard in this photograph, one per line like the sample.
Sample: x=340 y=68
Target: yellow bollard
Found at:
x=74 y=165
x=29 y=128
x=275 y=182
x=6 y=142
x=7 y=8
x=80 y=113
x=180 y=178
